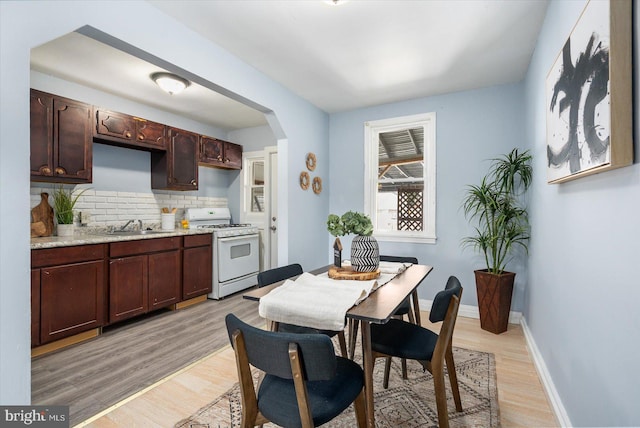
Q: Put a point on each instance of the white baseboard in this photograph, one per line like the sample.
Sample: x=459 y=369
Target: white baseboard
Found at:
x=560 y=412
x=469 y=311
x=545 y=377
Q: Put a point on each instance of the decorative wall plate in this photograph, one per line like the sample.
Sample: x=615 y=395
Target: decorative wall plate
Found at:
x=304 y=180
x=311 y=161
x=317 y=185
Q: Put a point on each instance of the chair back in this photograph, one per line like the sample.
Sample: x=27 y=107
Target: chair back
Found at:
x=278 y=274
x=441 y=302
x=269 y=351
x=399 y=259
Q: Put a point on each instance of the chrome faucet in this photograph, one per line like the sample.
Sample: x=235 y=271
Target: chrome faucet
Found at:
x=129 y=222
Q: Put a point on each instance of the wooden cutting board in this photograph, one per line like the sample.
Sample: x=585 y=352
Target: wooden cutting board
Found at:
x=42 y=217
x=347 y=272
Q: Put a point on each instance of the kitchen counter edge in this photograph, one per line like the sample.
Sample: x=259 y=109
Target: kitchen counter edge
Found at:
x=88 y=238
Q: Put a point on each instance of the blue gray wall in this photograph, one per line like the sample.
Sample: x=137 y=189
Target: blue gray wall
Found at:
x=471 y=127
x=581 y=300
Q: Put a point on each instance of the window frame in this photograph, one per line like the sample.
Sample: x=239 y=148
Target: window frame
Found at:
x=372 y=129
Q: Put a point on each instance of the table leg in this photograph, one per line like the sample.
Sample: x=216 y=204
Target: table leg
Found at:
x=416 y=306
x=367 y=358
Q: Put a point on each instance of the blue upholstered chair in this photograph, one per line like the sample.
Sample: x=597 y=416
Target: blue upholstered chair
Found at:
x=274 y=275
x=402 y=339
x=305 y=383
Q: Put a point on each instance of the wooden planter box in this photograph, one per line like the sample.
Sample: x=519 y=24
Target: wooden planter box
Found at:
x=494 y=299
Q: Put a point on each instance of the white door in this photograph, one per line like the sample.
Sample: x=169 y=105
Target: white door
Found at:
x=271 y=170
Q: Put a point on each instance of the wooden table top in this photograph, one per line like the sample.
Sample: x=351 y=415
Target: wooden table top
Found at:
x=380 y=306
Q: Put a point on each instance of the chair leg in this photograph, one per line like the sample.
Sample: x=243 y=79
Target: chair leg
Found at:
x=387 y=370
x=353 y=335
x=441 y=395
x=361 y=413
x=453 y=378
x=343 y=344
x=404 y=368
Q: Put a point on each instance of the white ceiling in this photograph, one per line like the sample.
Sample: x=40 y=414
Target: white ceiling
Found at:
x=357 y=54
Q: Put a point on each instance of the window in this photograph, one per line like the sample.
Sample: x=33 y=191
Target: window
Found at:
x=256 y=186
x=400 y=177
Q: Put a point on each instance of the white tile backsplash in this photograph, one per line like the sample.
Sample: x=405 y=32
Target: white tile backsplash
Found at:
x=109 y=208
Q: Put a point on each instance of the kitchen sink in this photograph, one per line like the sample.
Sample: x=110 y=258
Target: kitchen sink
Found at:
x=132 y=232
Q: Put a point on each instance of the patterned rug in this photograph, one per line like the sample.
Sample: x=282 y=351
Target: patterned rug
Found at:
x=406 y=403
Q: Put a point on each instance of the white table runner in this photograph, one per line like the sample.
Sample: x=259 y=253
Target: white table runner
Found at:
x=319 y=301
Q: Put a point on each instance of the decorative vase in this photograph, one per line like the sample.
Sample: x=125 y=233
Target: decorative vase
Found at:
x=494 y=299
x=365 y=256
x=65 y=229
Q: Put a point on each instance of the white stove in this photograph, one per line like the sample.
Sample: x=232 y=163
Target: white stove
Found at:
x=235 y=250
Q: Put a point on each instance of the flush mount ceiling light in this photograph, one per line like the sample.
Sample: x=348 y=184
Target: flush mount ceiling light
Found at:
x=170 y=82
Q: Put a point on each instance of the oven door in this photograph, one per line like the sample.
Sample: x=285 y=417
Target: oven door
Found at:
x=237 y=256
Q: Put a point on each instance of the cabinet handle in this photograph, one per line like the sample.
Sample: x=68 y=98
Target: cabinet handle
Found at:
x=45 y=170
x=140 y=137
x=193 y=182
x=220 y=158
x=46 y=272
x=60 y=171
x=127 y=134
x=226 y=160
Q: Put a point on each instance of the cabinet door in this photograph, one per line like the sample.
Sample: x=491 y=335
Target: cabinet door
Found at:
x=71 y=299
x=41 y=134
x=177 y=168
x=72 y=141
x=128 y=287
x=233 y=156
x=164 y=279
x=117 y=125
x=211 y=151
x=150 y=133
x=35 y=307
x=197 y=272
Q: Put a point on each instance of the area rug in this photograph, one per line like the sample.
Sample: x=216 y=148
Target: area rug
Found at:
x=407 y=403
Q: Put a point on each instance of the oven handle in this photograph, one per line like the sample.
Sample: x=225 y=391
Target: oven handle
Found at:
x=237 y=238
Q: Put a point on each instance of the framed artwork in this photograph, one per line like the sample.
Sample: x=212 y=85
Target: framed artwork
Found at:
x=589 y=95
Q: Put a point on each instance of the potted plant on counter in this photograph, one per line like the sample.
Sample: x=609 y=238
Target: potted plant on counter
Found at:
x=365 y=255
x=497 y=207
x=63 y=203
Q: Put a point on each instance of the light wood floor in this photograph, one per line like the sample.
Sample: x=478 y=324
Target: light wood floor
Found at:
x=522 y=400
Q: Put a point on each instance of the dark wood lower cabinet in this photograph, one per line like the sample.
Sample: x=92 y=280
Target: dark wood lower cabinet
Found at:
x=146 y=278
x=76 y=289
x=164 y=279
x=128 y=287
x=67 y=291
x=197 y=261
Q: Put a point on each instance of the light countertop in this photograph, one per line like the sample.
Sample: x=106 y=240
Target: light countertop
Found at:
x=82 y=237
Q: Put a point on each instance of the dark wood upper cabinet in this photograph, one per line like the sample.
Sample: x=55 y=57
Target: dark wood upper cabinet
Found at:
x=220 y=153
x=177 y=168
x=61 y=139
x=128 y=131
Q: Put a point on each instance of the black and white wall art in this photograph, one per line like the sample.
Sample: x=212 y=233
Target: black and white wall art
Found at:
x=580 y=94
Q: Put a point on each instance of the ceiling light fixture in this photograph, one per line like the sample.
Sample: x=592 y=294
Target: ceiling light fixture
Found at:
x=170 y=82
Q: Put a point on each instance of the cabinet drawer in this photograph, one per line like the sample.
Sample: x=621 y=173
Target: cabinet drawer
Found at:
x=66 y=255
x=119 y=249
x=198 y=240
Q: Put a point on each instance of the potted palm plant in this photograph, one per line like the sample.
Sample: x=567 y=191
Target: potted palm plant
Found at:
x=365 y=255
x=497 y=207
x=63 y=203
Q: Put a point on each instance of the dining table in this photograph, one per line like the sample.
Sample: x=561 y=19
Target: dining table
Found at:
x=377 y=308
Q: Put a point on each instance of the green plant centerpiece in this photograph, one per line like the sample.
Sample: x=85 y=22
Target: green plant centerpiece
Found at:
x=365 y=255
x=64 y=201
x=497 y=206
